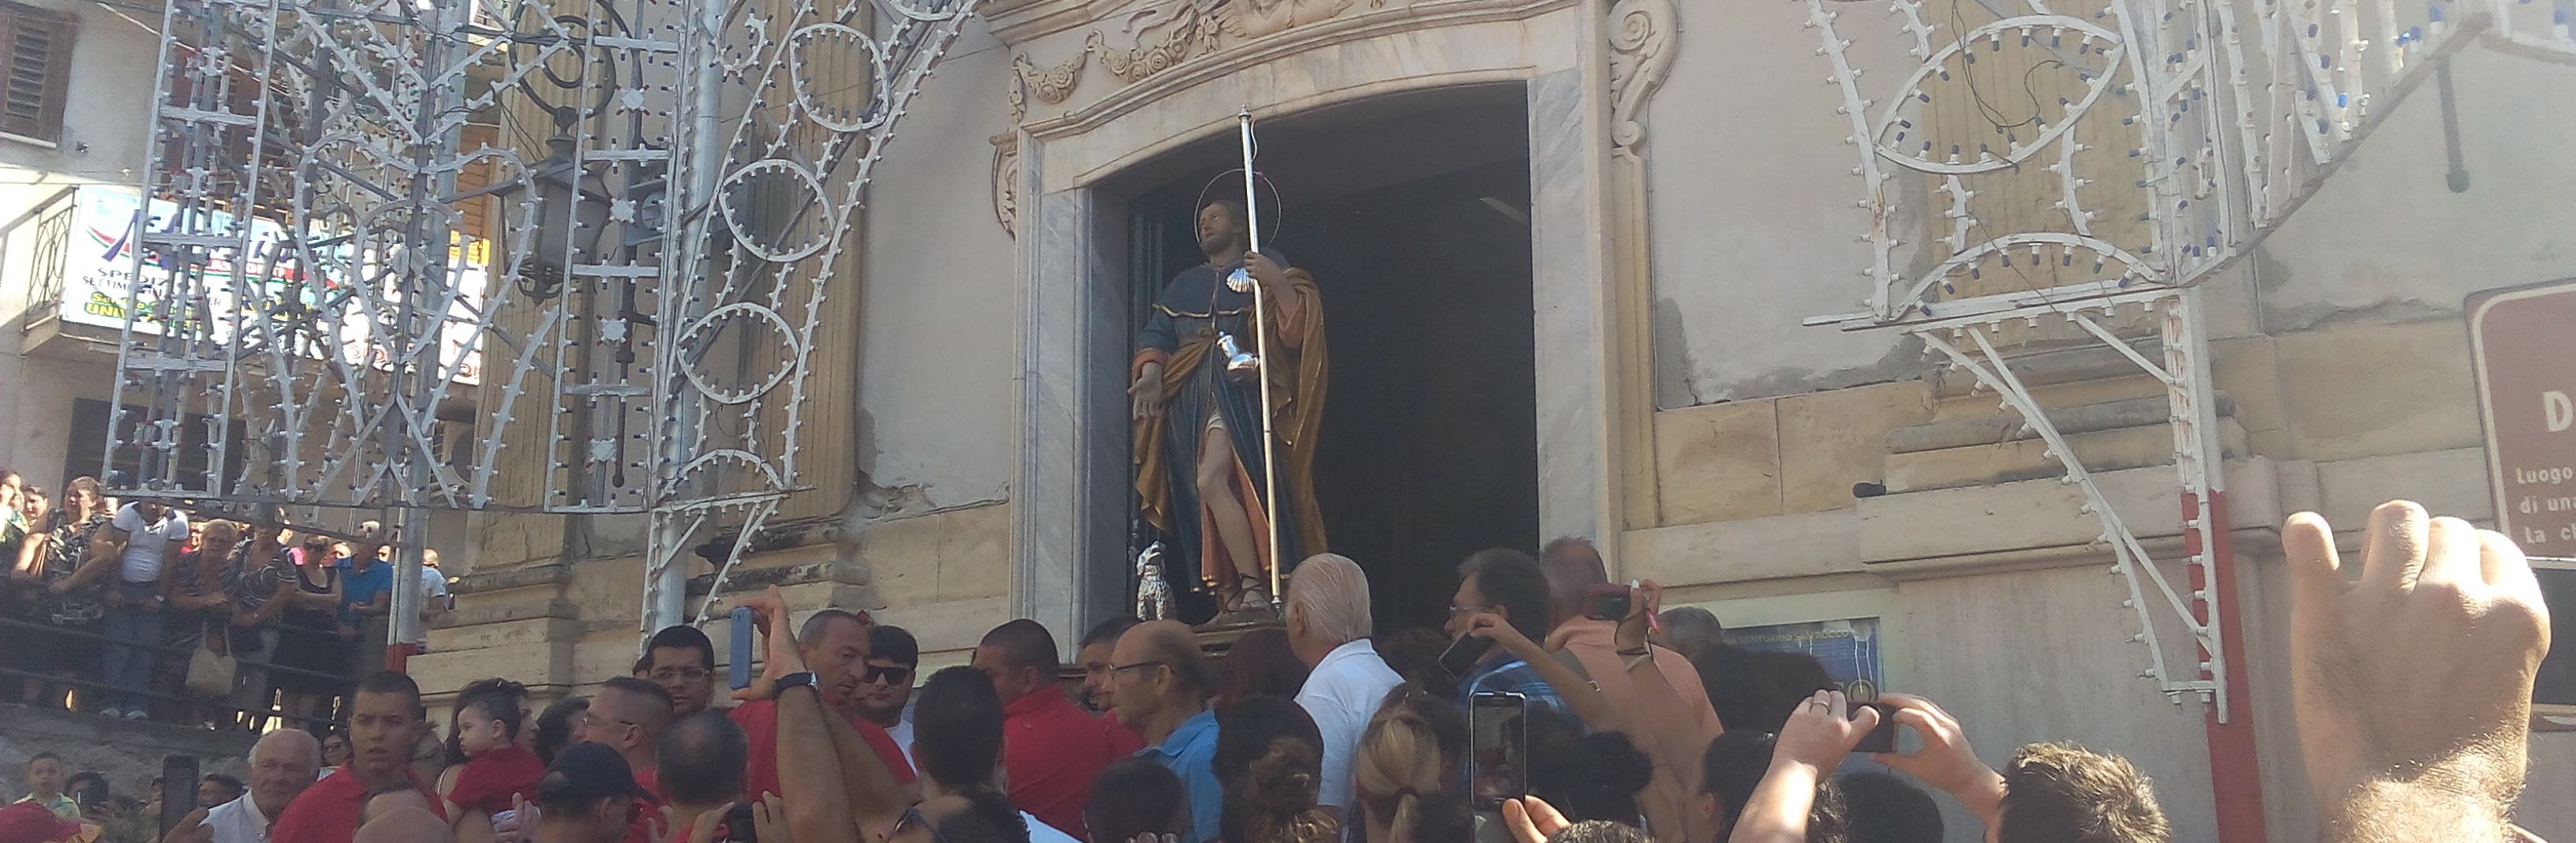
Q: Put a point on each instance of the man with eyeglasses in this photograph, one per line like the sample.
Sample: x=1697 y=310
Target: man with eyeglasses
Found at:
x=1159 y=685
x=885 y=687
x=683 y=661
x=1502 y=587
x=628 y=715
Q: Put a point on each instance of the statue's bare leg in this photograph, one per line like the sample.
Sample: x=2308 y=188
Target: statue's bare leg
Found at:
x=1233 y=528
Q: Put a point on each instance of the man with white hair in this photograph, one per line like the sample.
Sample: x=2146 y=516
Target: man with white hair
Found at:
x=282 y=764
x=1328 y=627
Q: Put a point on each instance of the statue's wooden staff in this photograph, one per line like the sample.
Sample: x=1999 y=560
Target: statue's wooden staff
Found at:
x=1242 y=282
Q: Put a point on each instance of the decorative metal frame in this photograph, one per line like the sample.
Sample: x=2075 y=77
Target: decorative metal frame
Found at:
x=2234 y=114
x=677 y=187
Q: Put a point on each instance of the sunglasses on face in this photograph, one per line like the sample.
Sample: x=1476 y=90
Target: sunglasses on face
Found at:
x=891 y=675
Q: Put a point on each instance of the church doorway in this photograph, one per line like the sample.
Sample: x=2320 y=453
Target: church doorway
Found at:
x=1412 y=211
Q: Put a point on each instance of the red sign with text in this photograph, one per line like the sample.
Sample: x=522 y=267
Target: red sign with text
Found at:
x=2523 y=340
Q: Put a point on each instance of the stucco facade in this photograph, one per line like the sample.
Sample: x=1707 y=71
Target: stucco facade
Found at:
x=1687 y=209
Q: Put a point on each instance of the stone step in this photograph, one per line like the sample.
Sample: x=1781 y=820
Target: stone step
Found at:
x=2007 y=426
x=2022 y=458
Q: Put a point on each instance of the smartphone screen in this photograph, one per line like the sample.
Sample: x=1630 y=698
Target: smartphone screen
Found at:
x=738 y=826
x=1498 y=746
x=179 y=790
x=738 y=667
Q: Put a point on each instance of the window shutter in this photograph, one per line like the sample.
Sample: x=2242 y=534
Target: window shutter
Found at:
x=36 y=77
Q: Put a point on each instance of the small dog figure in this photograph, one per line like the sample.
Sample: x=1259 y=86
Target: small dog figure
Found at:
x=1153 y=593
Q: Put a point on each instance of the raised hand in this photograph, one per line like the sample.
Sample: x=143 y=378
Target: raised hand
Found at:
x=1531 y=819
x=1492 y=627
x=1822 y=731
x=771 y=615
x=2412 y=683
x=709 y=824
x=1945 y=761
x=1264 y=270
x=769 y=819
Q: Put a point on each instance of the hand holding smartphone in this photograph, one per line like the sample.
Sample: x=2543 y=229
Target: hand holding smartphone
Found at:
x=1883 y=737
x=738 y=666
x=1608 y=601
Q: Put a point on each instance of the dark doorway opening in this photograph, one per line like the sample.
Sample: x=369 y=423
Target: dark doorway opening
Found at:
x=1412 y=213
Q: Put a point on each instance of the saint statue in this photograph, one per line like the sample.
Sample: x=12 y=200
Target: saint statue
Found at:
x=1198 y=439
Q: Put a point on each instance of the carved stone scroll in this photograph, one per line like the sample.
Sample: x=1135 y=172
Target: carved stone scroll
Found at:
x=1641 y=36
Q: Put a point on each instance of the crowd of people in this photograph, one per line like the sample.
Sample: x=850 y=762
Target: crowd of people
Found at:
x=138 y=610
x=1631 y=723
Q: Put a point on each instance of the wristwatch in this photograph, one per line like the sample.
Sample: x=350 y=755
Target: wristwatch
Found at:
x=802 y=678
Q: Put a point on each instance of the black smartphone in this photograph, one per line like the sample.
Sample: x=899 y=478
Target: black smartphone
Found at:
x=1463 y=654
x=1608 y=601
x=738 y=826
x=738 y=667
x=1498 y=748
x=178 y=790
x=1883 y=737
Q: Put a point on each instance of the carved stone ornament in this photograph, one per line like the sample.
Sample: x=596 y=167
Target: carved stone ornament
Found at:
x=1050 y=85
x=1006 y=182
x=1249 y=19
x=1641 y=35
x=1187 y=31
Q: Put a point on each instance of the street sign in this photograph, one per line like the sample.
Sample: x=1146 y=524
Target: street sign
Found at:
x=2523 y=341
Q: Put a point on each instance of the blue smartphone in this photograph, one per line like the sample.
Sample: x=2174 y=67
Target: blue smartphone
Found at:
x=738 y=668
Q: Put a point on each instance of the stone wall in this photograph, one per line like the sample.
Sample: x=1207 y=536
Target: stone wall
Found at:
x=129 y=753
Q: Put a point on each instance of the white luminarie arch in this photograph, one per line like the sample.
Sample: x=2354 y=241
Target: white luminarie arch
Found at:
x=667 y=206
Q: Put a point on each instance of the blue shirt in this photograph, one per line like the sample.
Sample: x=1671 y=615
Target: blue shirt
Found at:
x=1512 y=676
x=1191 y=754
x=359 y=588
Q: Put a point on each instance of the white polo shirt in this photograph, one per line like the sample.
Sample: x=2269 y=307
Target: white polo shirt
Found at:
x=1342 y=693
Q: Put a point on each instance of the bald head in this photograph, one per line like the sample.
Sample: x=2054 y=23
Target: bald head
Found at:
x=1328 y=606
x=406 y=824
x=702 y=757
x=1573 y=566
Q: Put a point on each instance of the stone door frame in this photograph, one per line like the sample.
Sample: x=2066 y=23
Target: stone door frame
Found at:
x=1068 y=546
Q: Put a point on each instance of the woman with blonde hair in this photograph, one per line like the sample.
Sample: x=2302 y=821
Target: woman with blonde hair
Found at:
x=1407 y=761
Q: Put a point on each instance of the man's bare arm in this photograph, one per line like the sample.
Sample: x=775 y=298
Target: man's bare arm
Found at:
x=873 y=789
x=866 y=801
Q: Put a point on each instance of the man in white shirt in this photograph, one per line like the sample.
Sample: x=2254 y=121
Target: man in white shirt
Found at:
x=1328 y=627
x=143 y=536
x=282 y=765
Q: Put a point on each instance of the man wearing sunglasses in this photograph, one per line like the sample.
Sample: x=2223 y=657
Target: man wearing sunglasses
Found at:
x=885 y=687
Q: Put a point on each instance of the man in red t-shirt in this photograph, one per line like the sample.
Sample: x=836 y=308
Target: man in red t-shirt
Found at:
x=1051 y=748
x=385 y=720
x=834 y=643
